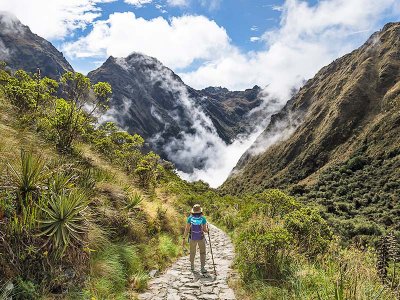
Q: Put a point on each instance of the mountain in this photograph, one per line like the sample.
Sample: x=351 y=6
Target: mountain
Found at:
x=150 y=99
x=338 y=138
x=22 y=49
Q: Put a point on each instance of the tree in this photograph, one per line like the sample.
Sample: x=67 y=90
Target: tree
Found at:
x=29 y=93
x=74 y=113
x=118 y=145
x=147 y=169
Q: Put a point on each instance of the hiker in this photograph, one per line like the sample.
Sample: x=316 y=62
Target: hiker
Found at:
x=197 y=225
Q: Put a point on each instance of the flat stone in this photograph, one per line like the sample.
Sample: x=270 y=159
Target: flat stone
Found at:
x=173 y=297
x=227 y=294
x=209 y=297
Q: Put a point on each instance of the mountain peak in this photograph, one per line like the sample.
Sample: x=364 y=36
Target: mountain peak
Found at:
x=22 y=49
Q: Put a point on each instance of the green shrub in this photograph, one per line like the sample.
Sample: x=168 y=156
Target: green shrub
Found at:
x=263 y=246
x=276 y=203
x=25 y=290
x=312 y=233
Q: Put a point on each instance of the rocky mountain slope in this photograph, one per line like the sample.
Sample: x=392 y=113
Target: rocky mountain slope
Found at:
x=150 y=99
x=22 y=49
x=339 y=137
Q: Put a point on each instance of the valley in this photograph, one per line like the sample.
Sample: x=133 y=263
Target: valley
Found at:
x=99 y=172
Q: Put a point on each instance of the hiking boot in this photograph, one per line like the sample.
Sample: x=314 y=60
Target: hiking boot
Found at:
x=203 y=270
x=192 y=268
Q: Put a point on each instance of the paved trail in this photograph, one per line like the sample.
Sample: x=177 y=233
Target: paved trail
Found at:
x=179 y=283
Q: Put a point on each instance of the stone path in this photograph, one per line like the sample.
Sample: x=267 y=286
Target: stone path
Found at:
x=179 y=283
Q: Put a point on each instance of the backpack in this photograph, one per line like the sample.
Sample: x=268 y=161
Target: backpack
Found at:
x=196 y=228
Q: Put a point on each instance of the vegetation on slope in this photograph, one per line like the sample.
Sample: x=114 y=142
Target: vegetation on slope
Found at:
x=88 y=214
x=286 y=250
x=345 y=154
x=79 y=211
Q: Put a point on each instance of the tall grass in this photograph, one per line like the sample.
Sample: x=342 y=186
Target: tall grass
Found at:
x=112 y=268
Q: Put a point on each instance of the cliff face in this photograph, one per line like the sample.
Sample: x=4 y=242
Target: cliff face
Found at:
x=22 y=49
x=349 y=105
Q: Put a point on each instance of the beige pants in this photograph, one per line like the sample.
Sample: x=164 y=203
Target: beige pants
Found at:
x=202 y=247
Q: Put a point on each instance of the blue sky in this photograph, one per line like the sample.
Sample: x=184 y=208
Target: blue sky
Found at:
x=231 y=43
x=242 y=19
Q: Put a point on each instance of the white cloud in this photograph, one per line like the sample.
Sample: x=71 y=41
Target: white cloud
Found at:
x=255 y=39
x=308 y=38
x=277 y=8
x=138 y=3
x=54 y=19
x=181 y=3
x=177 y=43
x=210 y=4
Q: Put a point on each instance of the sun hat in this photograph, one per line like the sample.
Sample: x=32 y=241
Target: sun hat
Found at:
x=196 y=209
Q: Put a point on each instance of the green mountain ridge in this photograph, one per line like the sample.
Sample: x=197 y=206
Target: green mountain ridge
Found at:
x=348 y=137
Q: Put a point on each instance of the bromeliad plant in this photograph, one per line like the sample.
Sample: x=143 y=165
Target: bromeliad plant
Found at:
x=64 y=221
x=28 y=179
x=25 y=183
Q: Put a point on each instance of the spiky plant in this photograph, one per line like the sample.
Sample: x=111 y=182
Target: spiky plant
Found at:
x=87 y=180
x=393 y=252
x=29 y=177
x=60 y=182
x=133 y=201
x=63 y=220
x=383 y=259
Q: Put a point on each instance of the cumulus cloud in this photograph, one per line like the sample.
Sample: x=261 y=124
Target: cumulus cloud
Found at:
x=54 y=19
x=177 y=42
x=309 y=37
x=138 y=3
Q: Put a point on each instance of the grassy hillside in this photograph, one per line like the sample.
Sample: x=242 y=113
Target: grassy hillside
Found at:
x=86 y=214
x=75 y=224
x=344 y=152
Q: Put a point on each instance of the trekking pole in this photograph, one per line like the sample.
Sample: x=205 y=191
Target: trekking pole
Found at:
x=212 y=256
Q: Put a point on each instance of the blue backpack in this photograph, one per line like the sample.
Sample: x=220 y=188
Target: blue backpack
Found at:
x=196 y=228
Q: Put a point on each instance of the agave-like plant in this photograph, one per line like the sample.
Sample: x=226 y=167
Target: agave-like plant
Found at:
x=60 y=182
x=27 y=179
x=63 y=220
x=133 y=201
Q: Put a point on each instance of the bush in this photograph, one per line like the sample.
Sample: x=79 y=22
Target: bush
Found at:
x=312 y=233
x=25 y=290
x=263 y=246
x=276 y=203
